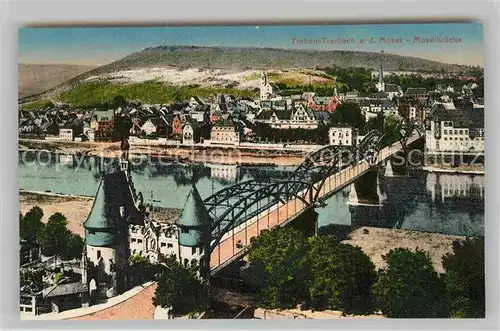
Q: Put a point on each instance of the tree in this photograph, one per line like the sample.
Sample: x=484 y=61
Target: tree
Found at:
x=55 y=236
x=180 y=289
x=409 y=287
x=341 y=276
x=74 y=248
x=31 y=281
x=31 y=226
x=348 y=113
x=281 y=257
x=464 y=278
x=118 y=101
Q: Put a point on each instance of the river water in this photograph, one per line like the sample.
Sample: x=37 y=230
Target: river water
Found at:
x=422 y=201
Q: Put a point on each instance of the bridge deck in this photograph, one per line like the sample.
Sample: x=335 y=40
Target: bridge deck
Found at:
x=235 y=242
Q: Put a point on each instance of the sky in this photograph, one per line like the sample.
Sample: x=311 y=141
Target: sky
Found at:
x=101 y=45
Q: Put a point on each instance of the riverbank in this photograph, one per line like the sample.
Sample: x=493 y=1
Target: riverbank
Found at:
x=197 y=154
x=377 y=242
x=446 y=168
x=75 y=208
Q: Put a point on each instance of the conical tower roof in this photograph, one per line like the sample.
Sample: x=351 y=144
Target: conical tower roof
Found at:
x=194 y=212
x=106 y=215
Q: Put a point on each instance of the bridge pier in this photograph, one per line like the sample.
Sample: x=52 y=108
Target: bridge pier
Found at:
x=396 y=166
x=365 y=190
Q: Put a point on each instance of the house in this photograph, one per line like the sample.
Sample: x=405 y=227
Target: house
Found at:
x=412 y=111
x=191 y=132
x=225 y=132
x=323 y=103
x=393 y=90
x=451 y=129
x=303 y=118
x=177 y=123
x=342 y=136
x=66 y=134
x=194 y=102
x=155 y=126
x=50 y=128
x=416 y=93
x=105 y=131
x=308 y=95
x=299 y=118
x=215 y=116
x=351 y=95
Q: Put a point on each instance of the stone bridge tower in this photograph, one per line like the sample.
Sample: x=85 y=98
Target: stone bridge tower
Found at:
x=194 y=232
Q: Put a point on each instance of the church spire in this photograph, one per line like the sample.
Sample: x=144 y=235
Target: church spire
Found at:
x=381 y=70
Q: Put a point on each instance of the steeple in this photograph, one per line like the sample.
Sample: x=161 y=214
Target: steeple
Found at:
x=335 y=93
x=381 y=85
x=381 y=73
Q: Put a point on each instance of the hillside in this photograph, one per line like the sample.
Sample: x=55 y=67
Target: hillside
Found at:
x=36 y=78
x=232 y=60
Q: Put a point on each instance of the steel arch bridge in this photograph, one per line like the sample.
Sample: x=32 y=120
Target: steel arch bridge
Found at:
x=232 y=206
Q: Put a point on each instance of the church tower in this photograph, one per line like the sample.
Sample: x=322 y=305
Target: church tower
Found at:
x=266 y=90
x=381 y=85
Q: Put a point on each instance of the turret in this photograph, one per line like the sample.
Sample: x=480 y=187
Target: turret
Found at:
x=194 y=231
x=193 y=220
x=106 y=231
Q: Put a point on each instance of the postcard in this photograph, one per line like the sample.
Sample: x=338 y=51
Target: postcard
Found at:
x=252 y=172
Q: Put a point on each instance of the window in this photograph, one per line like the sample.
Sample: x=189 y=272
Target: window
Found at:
x=163 y=244
x=461 y=131
x=445 y=131
x=455 y=131
x=445 y=138
x=193 y=250
x=98 y=254
x=139 y=241
x=170 y=245
x=184 y=230
x=133 y=240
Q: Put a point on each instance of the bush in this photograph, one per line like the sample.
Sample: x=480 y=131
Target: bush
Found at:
x=410 y=287
x=280 y=258
x=464 y=278
x=180 y=289
x=341 y=276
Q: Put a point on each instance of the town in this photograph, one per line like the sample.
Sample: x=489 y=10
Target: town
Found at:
x=272 y=120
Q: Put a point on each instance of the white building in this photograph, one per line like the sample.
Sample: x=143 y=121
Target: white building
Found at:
x=266 y=90
x=454 y=130
x=298 y=118
x=342 y=136
x=188 y=133
x=225 y=132
x=66 y=134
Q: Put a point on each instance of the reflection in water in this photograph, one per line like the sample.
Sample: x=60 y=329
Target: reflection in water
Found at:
x=445 y=203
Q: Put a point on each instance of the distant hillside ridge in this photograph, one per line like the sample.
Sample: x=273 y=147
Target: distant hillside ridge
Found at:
x=37 y=78
x=244 y=58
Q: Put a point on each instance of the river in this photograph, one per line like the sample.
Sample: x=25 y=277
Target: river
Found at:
x=422 y=201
